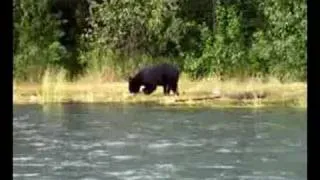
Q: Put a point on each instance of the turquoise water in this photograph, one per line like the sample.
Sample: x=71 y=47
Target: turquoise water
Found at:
x=146 y=142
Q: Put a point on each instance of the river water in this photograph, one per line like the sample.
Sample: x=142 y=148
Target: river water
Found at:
x=131 y=142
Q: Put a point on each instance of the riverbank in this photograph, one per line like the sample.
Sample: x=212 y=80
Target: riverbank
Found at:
x=212 y=93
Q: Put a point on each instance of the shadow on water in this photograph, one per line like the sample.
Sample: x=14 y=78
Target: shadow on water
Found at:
x=118 y=141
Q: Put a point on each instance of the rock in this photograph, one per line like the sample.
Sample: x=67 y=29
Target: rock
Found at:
x=216 y=92
x=33 y=98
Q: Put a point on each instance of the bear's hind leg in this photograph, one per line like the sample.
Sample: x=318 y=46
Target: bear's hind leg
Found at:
x=166 y=89
x=175 y=89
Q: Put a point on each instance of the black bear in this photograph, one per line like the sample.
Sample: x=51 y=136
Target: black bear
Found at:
x=164 y=74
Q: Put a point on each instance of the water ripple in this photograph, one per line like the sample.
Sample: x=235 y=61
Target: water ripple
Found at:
x=98 y=153
x=21 y=118
x=38 y=144
x=29 y=165
x=216 y=167
x=160 y=145
x=28 y=158
x=26 y=175
x=124 y=157
x=88 y=178
x=116 y=143
x=120 y=173
x=78 y=163
x=223 y=150
x=262 y=177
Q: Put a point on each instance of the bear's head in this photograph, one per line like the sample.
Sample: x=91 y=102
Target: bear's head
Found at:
x=134 y=86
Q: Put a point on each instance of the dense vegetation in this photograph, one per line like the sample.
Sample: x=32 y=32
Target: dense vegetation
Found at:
x=223 y=38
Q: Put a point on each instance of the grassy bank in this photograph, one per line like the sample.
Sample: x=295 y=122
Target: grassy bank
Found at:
x=210 y=92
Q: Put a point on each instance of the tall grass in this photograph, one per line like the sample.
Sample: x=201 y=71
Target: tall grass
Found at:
x=52 y=85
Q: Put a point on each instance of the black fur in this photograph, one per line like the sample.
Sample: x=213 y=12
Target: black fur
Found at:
x=165 y=75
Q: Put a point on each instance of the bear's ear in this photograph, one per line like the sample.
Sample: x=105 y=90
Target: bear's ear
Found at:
x=130 y=78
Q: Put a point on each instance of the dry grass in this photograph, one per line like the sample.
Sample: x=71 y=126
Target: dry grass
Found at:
x=209 y=92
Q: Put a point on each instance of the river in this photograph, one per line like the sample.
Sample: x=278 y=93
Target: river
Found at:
x=131 y=142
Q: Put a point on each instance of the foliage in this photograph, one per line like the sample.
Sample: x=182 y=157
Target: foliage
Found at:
x=36 y=45
x=276 y=47
x=231 y=38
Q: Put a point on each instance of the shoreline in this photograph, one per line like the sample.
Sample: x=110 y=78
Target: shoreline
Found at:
x=215 y=104
x=205 y=93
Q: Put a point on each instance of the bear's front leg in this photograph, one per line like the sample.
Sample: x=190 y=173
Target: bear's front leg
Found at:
x=149 y=88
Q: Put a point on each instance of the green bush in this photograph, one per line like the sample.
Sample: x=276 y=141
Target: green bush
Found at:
x=205 y=38
x=36 y=40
